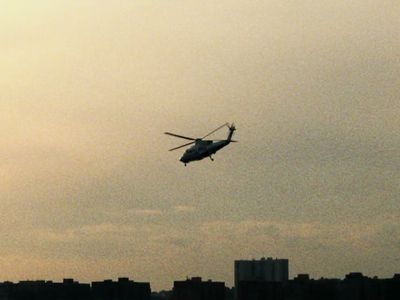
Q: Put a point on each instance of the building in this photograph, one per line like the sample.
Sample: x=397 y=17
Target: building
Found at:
x=355 y=286
x=45 y=290
x=268 y=270
x=255 y=290
x=123 y=289
x=196 y=289
x=272 y=270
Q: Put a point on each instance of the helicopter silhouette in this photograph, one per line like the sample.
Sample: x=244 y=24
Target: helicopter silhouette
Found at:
x=203 y=148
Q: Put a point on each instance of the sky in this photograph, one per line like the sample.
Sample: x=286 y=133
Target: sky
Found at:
x=88 y=189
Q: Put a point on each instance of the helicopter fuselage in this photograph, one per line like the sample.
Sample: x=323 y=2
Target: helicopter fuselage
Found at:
x=202 y=149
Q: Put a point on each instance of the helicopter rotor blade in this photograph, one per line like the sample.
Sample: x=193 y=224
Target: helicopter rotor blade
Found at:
x=232 y=141
x=226 y=124
x=180 y=136
x=181 y=146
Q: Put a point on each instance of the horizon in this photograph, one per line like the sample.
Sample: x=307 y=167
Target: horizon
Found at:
x=189 y=278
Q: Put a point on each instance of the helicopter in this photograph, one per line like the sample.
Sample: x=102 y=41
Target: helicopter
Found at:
x=203 y=148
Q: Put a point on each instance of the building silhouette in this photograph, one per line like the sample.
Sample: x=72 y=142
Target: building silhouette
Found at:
x=269 y=270
x=123 y=289
x=275 y=270
x=45 y=290
x=354 y=287
x=196 y=289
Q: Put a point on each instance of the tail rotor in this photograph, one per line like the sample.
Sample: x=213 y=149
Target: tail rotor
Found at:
x=232 y=129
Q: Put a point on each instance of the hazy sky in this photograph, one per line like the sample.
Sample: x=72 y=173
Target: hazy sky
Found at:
x=88 y=189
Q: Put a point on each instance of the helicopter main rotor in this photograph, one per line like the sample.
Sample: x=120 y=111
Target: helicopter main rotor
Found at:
x=194 y=140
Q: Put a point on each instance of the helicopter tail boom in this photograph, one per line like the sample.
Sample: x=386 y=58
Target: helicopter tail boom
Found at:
x=232 y=129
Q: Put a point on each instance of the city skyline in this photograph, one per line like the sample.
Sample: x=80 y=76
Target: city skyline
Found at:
x=354 y=286
x=88 y=189
x=300 y=276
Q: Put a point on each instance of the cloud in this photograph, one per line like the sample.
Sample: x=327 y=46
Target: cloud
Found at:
x=184 y=209
x=147 y=212
x=311 y=247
